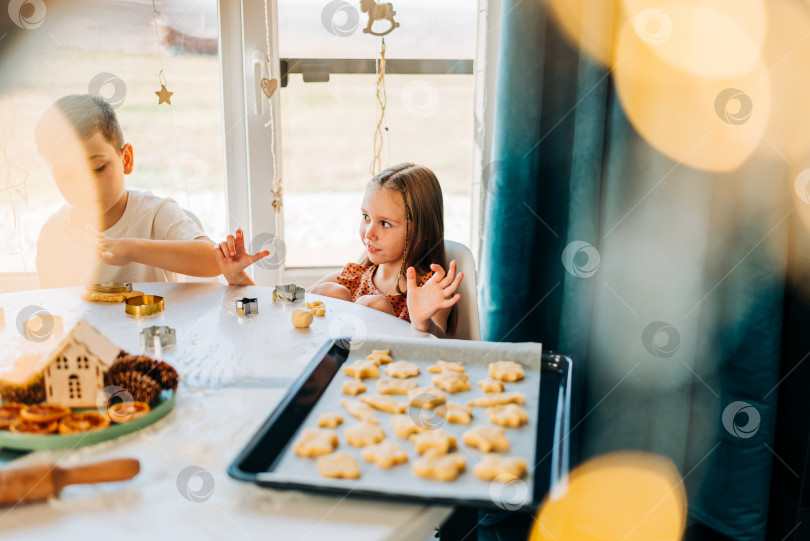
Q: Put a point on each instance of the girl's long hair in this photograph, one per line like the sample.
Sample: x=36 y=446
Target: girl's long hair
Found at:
x=424 y=215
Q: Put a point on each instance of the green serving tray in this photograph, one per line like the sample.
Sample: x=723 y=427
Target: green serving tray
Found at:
x=34 y=442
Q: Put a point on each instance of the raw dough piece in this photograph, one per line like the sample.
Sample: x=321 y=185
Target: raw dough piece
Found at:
x=399 y=386
x=490 y=386
x=387 y=404
x=329 y=420
x=506 y=371
x=404 y=426
x=496 y=399
x=436 y=439
x=385 y=454
x=454 y=413
x=362 y=368
x=353 y=387
x=358 y=410
x=402 y=369
x=502 y=467
x=426 y=397
x=508 y=415
x=452 y=382
x=301 y=319
x=338 y=466
x=438 y=466
x=444 y=366
x=362 y=434
x=486 y=439
x=315 y=442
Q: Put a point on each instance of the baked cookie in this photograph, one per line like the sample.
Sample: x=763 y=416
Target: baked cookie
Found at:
x=402 y=370
x=387 y=404
x=452 y=382
x=361 y=411
x=353 y=387
x=444 y=366
x=433 y=439
x=456 y=414
x=316 y=442
x=362 y=434
x=338 y=466
x=439 y=466
x=329 y=420
x=396 y=386
x=508 y=415
x=506 y=371
x=504 y=468
x=496 y=399
x=490 y=386
x=426 y=397
x=404 y=426
x=96 y=296
x=379 y=356
x=486 y=439
x=362 y=369
x=385 y=454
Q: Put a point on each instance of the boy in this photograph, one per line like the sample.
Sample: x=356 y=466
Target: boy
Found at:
x=107 y=233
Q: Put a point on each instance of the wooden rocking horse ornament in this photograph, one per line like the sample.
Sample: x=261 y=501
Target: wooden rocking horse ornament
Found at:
x=378 y=12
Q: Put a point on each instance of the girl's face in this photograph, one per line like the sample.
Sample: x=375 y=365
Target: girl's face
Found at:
x=383 y=224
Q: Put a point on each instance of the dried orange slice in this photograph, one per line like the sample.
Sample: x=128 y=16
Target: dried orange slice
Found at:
x=9 y=413
x=82 y=422
x=44 y=413
x=21 y=426
x=123 y=412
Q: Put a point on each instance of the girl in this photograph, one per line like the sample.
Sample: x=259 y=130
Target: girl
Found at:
x=402 y=227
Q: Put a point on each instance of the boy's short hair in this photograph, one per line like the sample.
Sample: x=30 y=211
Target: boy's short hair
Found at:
x=87 y=115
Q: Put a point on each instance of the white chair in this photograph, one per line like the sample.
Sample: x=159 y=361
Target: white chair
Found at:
x=467 y=327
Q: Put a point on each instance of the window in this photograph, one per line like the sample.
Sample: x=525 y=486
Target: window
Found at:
x=110 y=47
x=327 y=127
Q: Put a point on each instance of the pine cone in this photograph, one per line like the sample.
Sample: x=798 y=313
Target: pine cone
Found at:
x=142 y=387
x=161 y=372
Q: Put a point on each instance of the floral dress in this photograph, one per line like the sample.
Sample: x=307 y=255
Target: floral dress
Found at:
x=358 y=279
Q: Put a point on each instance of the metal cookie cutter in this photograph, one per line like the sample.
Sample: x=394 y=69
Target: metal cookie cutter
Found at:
x=247 y=306
x=144 y=305
x=165 y=336
x=289 y=293
x=111 y=287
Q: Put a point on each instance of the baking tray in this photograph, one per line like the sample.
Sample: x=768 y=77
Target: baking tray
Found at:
x=268 y=459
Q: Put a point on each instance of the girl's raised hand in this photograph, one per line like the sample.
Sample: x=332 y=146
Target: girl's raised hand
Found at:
x=232 y=256
x=438 y=293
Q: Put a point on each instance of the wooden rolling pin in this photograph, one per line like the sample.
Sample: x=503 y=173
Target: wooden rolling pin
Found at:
x=40 y=482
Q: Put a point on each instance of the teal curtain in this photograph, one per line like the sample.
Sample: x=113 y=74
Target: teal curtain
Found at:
x=663 y=282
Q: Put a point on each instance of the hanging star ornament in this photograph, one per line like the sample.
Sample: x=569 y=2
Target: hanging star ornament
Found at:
x=164 y=95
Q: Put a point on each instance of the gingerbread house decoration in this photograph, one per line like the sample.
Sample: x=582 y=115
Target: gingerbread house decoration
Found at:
x=74 y=371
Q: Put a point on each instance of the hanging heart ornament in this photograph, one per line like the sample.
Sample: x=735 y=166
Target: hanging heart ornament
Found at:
x=269 y=86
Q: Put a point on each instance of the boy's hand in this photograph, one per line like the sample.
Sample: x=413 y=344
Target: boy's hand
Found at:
x=436 y=294
x=232 y=256
x=117 y=252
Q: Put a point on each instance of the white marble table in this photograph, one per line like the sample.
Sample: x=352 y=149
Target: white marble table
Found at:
x=234 y=370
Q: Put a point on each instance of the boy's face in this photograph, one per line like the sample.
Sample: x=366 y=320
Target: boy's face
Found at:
x=90 y=173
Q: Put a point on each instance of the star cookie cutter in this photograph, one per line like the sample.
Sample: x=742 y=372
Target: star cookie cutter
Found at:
x=160 y=334
x=247 y=306
x=289 y=293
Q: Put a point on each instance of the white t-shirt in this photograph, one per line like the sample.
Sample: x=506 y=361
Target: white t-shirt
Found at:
x=63 y=261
